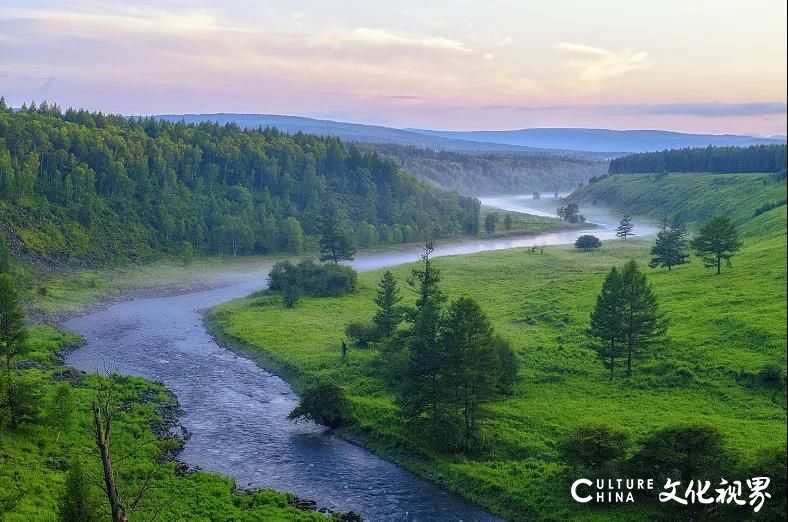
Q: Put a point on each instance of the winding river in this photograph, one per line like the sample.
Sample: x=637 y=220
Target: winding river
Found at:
x=236 y=412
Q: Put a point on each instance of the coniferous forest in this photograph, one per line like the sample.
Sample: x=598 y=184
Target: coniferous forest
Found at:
x=96 y=188
x=757 y=158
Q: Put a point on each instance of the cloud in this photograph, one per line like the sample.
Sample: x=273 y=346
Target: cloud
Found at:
x=594 y=65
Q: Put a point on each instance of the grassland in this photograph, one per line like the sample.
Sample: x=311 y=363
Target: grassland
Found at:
x=723 y=330
x=692 y=196
x=525 y=224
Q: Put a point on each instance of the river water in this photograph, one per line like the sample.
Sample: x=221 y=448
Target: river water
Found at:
x=237 y=412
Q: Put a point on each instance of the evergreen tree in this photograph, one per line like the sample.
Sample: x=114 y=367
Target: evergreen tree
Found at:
x=670 y=248
x=490 y=222
x=388 y=315
x=419 y=390
x=471 y=363
x=625 y=226
x=335 y=241
x=12 y=325
x=717 y=240
x=77 y=503
x=507 y=222
x=641 y=323
x=5 y=255
x=606 y=319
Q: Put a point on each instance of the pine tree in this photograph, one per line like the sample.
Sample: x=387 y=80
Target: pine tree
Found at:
x=335 y=242
x=717 y=240
x=77 y=503
x=388 y=315
x=12 y=326
x=490 y=222
x=641 y=324
x=471 y=364
x=625 y=226
x=419 y=393
x=507 y=222
x=670 y=248
x=606 y=320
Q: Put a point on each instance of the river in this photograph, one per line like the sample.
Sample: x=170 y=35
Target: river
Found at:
x=237 y=412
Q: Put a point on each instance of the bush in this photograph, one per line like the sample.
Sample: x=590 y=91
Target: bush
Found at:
x=766 y=207
x=509 y=364
x=594 y=446
x=21 y=401
x=682 y=453
x=362 y=333
x=311 y=278
x=588 y=242
x=324 y=404
x=770 y=376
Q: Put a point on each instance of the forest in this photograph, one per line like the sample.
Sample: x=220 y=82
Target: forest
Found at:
x=97 y=188
x=757 y=158
x=491 y=173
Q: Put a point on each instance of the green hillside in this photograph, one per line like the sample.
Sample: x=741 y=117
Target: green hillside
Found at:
x=695 y=197
x=726 y=334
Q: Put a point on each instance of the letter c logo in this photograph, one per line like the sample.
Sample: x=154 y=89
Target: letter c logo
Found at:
x=576 y=483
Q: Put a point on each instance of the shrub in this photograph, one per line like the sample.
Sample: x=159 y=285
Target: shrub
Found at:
x=509 y=364
x=21 y=401
x=362 y=333
x=324 y=404
x=311 y=278
x=766 y=207
x=594 y=446
x=770 y=376
x=588 y=242
x=682 y=453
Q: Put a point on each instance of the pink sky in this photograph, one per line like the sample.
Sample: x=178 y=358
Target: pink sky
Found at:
x=700 y=66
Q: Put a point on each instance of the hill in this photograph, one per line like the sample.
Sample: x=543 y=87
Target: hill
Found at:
x=495 y=173
x=694 y=197
x=93 y=188
x=726 y=335
x=350 y=132
x=600 y=140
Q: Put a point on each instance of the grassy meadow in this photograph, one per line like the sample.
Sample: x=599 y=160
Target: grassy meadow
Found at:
x=723 y=330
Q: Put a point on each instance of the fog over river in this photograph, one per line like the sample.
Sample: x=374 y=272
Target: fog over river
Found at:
x=236 y=412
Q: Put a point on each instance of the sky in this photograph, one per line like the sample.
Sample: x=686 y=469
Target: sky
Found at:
x=714 y=66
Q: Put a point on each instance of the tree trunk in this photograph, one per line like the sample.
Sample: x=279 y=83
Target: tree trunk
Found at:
x=719 y=261
x=102 y=441
x=612 y=357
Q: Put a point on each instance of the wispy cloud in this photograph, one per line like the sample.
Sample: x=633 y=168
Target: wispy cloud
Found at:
x=594 y=65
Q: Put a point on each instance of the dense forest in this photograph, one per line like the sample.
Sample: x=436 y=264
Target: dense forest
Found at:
x=96 y=187
x=757 y=158
x=495 y=173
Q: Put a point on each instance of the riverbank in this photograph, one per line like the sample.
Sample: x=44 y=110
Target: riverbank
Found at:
x=541 y=303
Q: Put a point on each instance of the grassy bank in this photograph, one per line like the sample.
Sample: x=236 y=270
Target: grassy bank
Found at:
x=525 y=224
x=34 y=458
x=724 y=329
x=695 y=197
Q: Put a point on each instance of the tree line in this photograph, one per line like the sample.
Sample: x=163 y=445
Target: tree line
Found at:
x=756 y=158
x=95 y=187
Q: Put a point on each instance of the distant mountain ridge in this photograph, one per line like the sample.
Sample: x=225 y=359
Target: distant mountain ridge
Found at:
x=597 y=141
x=602 y=140
x=349 y=132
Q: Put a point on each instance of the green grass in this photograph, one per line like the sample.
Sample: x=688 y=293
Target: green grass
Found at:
x=694 y=197
x=33 y=458
x=525 y=224
x=723 y=330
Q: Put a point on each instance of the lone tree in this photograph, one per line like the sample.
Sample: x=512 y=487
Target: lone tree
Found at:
x=626 y=319
x=12 y=323
x=606 y=319
x=570 y=213
x=641 y=321
x=471 y=364
x=588 y=242
x=625 y=226
x=716 y=241
x=389 y=314
x=507 y=222
x=335 y=242
x=490 y=222
x=670 y=248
